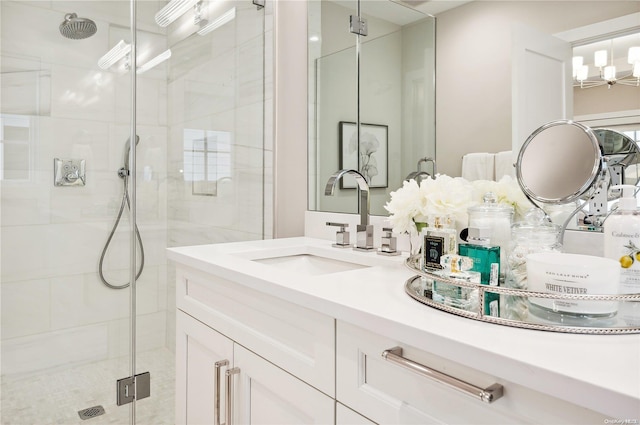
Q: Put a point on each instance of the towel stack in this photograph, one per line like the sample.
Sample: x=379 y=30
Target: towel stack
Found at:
x=487 y=166
x=478 y=166
x=504 y=165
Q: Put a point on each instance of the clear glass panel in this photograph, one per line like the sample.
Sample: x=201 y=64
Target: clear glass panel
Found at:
x=397 y=97
x=201 y=161
x=65 y=335
x=396 y=104
x=333 y=102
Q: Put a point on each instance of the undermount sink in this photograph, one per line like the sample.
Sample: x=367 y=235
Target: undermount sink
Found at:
x=309 y=264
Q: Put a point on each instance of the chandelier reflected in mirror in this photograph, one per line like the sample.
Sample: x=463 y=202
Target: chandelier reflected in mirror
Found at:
x=610 y=66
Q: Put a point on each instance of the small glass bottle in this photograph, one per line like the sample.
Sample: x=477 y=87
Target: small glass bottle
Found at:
x=486 y=261
x=438 y=241
x=455 y=268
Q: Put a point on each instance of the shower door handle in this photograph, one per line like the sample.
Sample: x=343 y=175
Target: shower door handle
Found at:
x=216 y=404
x=229 y=393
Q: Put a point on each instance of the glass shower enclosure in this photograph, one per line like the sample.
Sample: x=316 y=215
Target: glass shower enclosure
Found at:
x=87 y=295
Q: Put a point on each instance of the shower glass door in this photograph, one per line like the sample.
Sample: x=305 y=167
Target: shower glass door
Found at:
x=71 y=323
x=64 y=123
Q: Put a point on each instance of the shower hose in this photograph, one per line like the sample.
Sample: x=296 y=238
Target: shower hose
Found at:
x=125 y=201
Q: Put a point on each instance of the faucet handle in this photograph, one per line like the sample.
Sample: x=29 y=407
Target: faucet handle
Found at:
x=389 y=243
x=342 y=235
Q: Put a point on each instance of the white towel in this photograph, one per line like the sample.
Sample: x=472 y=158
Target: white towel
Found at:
x=477 y=166
x=504 y=165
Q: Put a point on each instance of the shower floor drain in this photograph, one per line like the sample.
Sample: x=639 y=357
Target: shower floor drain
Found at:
x=91 y=412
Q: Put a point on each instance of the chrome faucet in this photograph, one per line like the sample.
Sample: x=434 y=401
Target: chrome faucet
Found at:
x=433 y=164
x=364 y=230
x=419 y=174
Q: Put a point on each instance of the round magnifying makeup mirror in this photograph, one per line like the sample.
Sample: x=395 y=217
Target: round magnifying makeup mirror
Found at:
x=559 y=162
x=622 y=156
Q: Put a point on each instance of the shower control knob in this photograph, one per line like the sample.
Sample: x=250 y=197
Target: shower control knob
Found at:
x=68 y=172
x=72 y=177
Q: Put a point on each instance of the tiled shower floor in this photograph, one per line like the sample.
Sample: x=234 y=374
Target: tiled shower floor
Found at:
x=55 y=397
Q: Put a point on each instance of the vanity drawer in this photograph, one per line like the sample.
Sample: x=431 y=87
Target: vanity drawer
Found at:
x=294 y=338
x=388 y=393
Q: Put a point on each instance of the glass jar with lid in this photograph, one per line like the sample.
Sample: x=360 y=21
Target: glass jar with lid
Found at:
x=496 y=217
x=532 y=235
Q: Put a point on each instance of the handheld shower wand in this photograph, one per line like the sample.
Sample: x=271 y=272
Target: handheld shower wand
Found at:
x=123 y=172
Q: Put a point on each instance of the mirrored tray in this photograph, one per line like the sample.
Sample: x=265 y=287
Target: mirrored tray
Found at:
x=521 y=309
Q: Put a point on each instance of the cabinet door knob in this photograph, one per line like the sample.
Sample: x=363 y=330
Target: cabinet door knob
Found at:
x=216 y=404
x=488 y=395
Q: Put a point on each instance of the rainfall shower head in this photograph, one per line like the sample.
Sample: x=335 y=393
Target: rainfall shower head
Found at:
x=77 y=28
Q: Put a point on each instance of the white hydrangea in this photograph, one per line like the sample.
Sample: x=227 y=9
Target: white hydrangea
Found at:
x=452 y=196
x=446 y=195
x=404 y=206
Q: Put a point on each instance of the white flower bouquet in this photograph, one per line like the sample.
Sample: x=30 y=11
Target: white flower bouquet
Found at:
x=449 y=196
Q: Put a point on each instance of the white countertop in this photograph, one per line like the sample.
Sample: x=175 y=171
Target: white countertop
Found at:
x=600 y=372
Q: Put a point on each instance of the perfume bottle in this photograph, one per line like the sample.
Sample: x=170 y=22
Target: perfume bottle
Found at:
x=445 y=291
x=486 y=261
x=456 y=264
x=438 y=240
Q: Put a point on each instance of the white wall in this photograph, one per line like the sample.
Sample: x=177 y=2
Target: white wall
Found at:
x=289 y=116
x=597 y=100
x=473 y=68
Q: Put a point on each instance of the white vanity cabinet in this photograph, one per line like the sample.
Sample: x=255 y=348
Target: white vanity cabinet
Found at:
x=279 y=353
x=198 y=349
x=308 y=349
x=264 y=393
x=259 y=391
x=390 y=394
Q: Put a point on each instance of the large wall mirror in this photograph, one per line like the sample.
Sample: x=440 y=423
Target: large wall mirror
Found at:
x=474 y=104
x=606 y=95
x=614 y=103
x=385 y=81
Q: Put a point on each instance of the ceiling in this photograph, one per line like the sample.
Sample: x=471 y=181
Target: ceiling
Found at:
x=433 y=7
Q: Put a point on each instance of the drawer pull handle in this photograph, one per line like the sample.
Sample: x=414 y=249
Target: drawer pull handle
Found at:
x=229 y=384
x=488 y=395
x=216 y=405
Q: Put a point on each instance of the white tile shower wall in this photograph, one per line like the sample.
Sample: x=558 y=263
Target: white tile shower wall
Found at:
x=52 y=237
x=25 y=355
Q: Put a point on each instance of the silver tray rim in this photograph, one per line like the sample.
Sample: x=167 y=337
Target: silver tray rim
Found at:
x=409 y=286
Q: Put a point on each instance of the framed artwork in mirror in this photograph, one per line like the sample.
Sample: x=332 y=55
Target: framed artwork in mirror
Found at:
x=370 y=158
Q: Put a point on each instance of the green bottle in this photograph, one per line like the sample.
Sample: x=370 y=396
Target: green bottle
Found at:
x=486 y=261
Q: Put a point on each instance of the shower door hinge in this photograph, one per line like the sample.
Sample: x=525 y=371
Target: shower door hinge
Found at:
x=138 y=386
x=358 y=25
x=259 y=3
